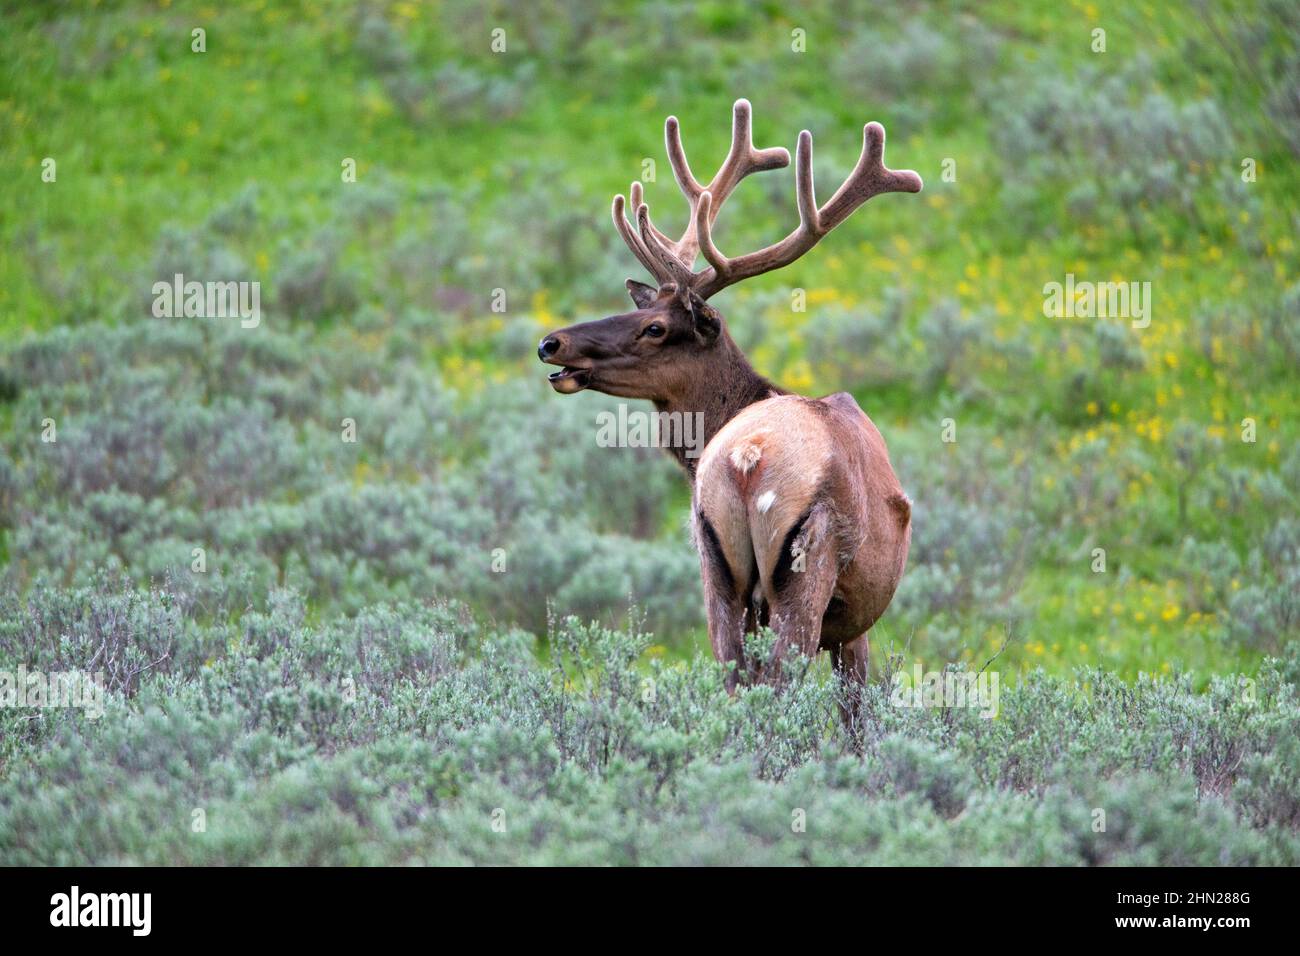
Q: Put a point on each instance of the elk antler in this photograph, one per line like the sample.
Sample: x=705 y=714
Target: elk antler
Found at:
x=673 y=262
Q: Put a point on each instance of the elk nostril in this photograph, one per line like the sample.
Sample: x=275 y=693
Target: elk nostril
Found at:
x=548 y=347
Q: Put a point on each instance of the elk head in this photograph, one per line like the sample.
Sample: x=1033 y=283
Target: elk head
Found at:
x=674 y=336
x=647 y=353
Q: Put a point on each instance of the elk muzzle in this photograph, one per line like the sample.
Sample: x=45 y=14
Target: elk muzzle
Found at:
x=571 y=378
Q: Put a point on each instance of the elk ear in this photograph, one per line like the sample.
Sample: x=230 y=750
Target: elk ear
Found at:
x=707 y=319
x=643 y=295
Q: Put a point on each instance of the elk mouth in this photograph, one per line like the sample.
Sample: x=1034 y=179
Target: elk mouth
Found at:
x=570 y=379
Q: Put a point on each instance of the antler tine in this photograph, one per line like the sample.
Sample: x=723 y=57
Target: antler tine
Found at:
x=637 y=198
x=869 y=178
x=804 y=195
x=631 y=238
x=677 y=159
x=670 y=264
x=720 y=265
x=742 y=159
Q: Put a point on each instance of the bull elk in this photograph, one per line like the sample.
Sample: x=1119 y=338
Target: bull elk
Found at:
x=799 y=520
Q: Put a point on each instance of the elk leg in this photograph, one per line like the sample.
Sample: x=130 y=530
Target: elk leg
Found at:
x=850 y=661
x=726 y=616
x=729 y=614
x=800 y=587
x=727 y=619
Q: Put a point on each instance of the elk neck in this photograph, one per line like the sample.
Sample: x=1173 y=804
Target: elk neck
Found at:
x=730 y=385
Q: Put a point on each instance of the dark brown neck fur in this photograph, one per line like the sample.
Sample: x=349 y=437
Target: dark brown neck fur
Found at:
x=731 y=385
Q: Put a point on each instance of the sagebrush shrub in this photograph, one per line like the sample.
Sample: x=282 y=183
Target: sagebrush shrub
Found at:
x=411 y=734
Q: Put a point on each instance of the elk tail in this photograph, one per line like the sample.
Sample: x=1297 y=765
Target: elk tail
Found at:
x=902 y=506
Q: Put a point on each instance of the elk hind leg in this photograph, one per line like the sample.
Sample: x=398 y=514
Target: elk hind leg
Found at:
x=850 y=661
x=729 y=618
x=800 y=586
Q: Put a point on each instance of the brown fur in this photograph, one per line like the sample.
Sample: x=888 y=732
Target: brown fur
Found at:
x=819 y=476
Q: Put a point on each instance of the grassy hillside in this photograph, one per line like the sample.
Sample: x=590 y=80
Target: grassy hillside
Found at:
x=473 y=493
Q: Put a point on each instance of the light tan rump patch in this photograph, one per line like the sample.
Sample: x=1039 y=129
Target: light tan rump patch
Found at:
x=758 y=476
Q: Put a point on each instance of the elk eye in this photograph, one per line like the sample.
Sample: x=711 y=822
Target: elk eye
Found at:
x=654 y=330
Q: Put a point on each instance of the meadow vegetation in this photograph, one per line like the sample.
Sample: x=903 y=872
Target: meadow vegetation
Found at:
x=473 y=607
